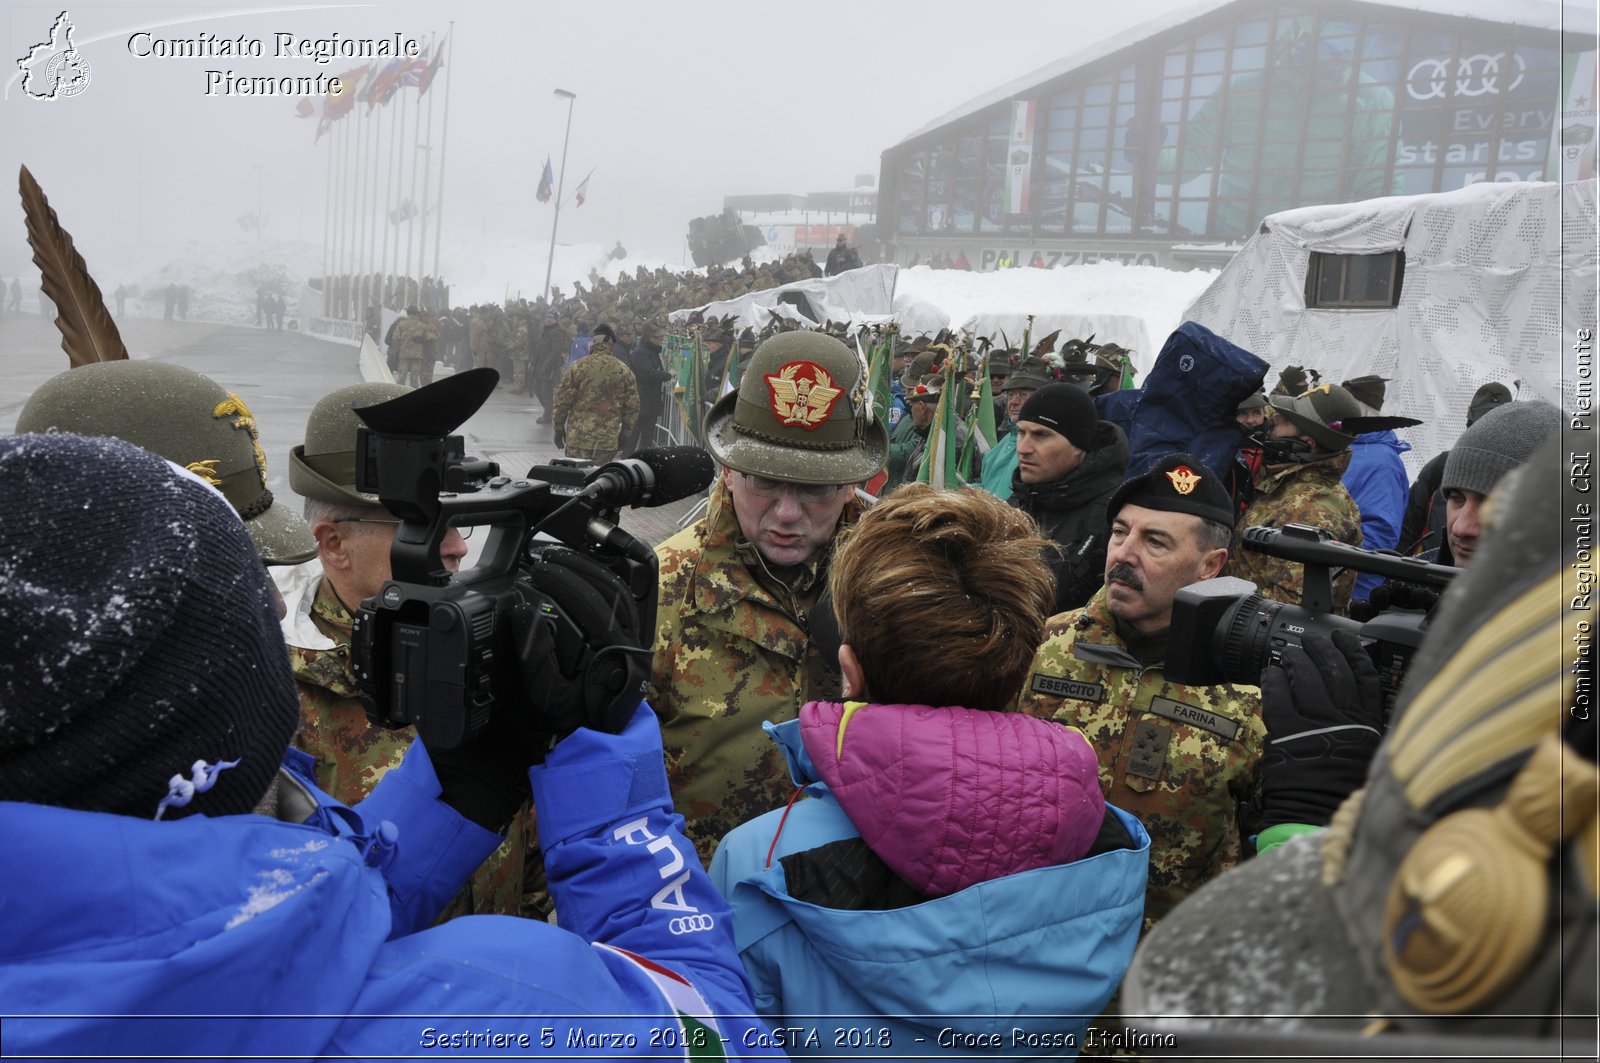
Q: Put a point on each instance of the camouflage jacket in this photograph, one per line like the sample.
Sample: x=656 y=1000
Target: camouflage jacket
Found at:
x=732 y=651
x=1183 y=759
x=1298 y=493
x=597 y=403
x=415 y=339
x=351 y=753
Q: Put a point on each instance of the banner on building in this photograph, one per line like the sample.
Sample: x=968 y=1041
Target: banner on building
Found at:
x=1019 y=156
x=1572 y=148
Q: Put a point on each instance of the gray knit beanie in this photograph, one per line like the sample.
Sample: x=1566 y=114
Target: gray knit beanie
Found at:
x=1498 y=442
x=144 y=672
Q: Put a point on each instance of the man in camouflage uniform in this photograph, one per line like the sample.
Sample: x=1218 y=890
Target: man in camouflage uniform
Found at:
x=734 y=645
x=1181 y=758
x=597 y=404
x=480 y=336
x=416 y=338
x=1299 y=482
x=519 y=351
x=354 y=535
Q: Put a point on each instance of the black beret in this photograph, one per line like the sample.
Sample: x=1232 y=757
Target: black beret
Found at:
x=1178 y=483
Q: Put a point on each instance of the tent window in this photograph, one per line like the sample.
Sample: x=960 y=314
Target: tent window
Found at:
x=1354 y=282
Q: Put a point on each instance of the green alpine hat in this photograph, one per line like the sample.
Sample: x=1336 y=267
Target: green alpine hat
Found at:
x=190 y=420
x=801 y=414
x=1320 y=413
x=324 y=467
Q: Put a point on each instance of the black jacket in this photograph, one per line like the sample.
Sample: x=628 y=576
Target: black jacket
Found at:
x=1072 y=512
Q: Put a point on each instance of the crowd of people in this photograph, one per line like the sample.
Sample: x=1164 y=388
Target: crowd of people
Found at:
x=912 y=758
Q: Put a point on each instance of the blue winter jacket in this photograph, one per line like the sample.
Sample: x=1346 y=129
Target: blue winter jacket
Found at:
x=1014 y=967
x=1377 y=480
x=300 y=938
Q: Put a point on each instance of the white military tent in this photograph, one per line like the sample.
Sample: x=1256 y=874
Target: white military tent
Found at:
x=1497 y=280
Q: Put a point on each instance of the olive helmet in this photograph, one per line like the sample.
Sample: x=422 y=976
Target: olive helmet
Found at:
x=190 y=420
x=324 y=466
x=802 y=414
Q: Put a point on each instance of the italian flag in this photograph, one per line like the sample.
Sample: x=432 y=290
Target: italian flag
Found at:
x=701 y=1037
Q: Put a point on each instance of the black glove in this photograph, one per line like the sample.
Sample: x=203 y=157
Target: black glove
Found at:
x=1397 y=594
x=486 y=780
x=560 y=434
x=1324 y=712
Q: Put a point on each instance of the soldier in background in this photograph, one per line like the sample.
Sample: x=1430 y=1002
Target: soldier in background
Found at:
x=645 y=361
x=1180 y=758
x=734 y=644
x=415 y=339
x=597 y=404
x=549 y=354
x=354 y=536
x=1299 y=483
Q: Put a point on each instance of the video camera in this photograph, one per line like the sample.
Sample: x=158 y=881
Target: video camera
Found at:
x=1224 y=631
x=560 y=630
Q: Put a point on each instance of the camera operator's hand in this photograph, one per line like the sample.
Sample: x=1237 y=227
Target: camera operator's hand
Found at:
x=486 y=780
x=1324 y=713
x=1397 y=594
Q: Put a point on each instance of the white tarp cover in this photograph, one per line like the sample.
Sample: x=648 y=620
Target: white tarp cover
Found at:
x=865 y=291
x=1498 y=279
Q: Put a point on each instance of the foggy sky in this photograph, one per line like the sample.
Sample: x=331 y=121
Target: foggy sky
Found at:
x=677 y=106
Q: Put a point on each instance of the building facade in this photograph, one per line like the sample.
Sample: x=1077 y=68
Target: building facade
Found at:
x=1167 y=145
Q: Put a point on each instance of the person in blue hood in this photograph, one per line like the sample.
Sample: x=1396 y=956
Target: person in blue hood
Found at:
x=954 y=883
x=173 y=883
x=1376 y=479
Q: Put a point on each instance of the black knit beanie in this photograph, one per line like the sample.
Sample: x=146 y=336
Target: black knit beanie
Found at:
x=143 y=659
x=1063 y=408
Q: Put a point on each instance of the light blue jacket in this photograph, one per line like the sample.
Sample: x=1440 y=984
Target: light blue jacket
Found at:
x=1016 y=966
x=998 y=465
x=299 y=936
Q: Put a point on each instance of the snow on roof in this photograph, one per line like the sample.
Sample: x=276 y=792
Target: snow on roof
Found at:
x=1537 y=14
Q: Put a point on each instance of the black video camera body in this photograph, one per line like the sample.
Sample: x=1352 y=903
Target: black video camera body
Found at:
x=556 y=630
x=1224 y=631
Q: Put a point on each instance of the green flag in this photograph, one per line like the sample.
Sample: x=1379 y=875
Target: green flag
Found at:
x=981 y=431
x=878 y=379
x=939 y=459
x=691 y=371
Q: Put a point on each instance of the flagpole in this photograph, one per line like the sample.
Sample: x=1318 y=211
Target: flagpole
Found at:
x=363 y=205
x=392 y=190
x=411 y=222
x=444 y=139
x=555 y=222
x=374 y=213
x=342 y=189
x=327 y=232
x=400 y=165
x=427 y=172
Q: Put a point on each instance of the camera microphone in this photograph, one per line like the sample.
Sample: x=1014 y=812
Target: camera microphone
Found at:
x=652 y=477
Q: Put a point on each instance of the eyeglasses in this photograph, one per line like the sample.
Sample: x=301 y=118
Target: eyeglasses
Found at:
x=772 y=490
x=465 y=530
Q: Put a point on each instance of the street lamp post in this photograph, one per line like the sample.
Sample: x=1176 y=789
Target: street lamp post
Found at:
x=560 y=184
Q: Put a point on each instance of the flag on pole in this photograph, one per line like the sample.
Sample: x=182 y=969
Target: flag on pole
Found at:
x=547 y=183
x=878 y=379
x=433 y=68
x=981 y=431
x=583 y=191
x=377 y=90
x=939 y=459
x=342 y=102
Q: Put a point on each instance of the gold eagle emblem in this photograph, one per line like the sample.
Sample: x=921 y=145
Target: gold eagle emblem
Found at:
x=802 y=393
x=1184 y=479
x=233 y=406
